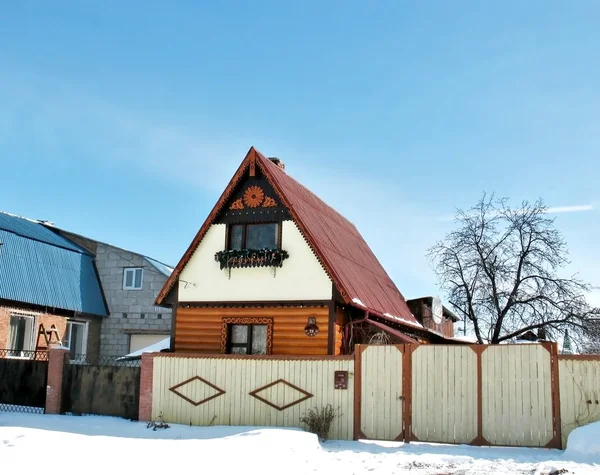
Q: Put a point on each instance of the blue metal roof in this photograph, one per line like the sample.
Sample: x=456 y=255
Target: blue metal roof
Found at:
x=40 y=267
x=33 y=230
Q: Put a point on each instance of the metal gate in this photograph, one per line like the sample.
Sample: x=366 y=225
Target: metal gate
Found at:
x=23 y=377
x=105 y=386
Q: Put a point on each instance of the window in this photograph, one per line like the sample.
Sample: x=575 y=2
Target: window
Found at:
x=253 y=236
x=21 y=334
x=132 y=278
x=247 y=340
x=76 y=338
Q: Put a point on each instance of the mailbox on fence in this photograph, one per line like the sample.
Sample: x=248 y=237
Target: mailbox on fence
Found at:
x=341 y=380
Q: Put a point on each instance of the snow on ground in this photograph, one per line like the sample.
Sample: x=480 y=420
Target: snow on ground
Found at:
x=109 y=446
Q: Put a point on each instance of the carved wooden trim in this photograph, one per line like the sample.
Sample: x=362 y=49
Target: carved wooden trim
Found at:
x=253 y=196
x=219 y=392
x=237 y=204
x=269 y=202
x=307 y=395
x=247 y=321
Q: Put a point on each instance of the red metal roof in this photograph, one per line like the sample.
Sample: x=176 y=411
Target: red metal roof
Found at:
x=360 y=277
x=346 y=257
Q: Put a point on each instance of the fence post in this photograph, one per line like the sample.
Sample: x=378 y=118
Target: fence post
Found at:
x=56 y=362
x=146 y=375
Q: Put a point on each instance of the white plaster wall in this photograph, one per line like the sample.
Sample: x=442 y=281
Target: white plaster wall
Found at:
x=300 y=278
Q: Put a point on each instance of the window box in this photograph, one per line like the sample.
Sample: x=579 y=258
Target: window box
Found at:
x=251 y=258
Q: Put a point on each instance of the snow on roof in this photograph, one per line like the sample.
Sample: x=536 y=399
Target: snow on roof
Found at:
x=154 y=348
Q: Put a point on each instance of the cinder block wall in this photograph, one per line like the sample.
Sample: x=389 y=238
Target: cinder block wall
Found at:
x=131 y=311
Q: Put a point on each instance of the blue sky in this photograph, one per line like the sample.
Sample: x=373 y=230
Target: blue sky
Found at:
x=124 y=121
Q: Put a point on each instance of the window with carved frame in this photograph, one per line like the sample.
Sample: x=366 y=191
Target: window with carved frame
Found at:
x=247 y=335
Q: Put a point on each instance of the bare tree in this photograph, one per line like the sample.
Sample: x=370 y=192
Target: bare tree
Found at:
x=500 y=271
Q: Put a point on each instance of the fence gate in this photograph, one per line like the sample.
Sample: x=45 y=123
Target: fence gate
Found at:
x=105 y=387
x=380 y=392
x=23 y=381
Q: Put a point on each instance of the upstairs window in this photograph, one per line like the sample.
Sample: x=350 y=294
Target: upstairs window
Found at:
x=133 y=278
x=253 y=236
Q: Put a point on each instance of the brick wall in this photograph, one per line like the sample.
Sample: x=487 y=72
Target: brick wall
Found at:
x=131 y=311
x=146 y=375
x=46 y=319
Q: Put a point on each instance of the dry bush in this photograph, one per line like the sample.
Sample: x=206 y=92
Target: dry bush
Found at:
x=319 y=420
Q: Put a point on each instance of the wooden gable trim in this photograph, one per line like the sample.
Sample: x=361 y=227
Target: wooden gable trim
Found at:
x=253 y=158
x=173 y=278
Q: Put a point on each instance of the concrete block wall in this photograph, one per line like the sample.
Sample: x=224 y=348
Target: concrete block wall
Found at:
x=131 y=311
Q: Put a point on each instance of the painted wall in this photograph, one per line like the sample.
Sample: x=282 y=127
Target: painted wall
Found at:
x=300 y=278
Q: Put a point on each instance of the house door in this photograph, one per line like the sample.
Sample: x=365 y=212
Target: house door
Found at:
x=381 y=393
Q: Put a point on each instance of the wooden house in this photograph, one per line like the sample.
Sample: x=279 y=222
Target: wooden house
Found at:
x=275 y=270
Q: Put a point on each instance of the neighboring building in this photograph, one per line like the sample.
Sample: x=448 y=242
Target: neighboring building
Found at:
x=49 y=291
x=62 y=288
x=131 y=282
x=275 y=270
x=430 y=312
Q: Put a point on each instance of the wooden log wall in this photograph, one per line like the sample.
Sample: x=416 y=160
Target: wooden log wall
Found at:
x=198 y=330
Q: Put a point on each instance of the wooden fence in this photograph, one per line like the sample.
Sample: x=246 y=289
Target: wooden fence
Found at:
x=508 y=395
x=255 y=391
x=579 y=391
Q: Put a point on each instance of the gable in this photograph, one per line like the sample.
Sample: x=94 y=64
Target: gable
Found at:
x=358 y=276
x=301 y=276
x=253 y=200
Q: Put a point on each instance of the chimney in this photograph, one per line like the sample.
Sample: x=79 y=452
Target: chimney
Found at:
x=277 y=162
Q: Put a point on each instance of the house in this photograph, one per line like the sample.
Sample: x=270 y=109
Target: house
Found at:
x=275 y=270
x=90 y=296
x=49 y=291
x=130 y=282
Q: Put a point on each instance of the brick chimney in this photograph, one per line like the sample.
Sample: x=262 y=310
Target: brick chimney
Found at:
x=277 y=162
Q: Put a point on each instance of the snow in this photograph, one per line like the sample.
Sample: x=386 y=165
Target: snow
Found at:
x=408 y=322
x=359 y=302
x=466 y=339
x=584 y=443
x=154 y=348
x=101 y=445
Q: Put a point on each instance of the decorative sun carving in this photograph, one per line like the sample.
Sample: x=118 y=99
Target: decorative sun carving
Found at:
x=237 y=204
x=269 y=202
x=254 y=196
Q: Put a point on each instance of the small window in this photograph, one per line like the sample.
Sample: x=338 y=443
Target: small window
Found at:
x=247 y=340
x=132 y=278
x=76 y=339
x=21 y=334
x=253 y=236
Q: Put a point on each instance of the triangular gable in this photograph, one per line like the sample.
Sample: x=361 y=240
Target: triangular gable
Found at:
x=358 y=276
x=253 y=199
